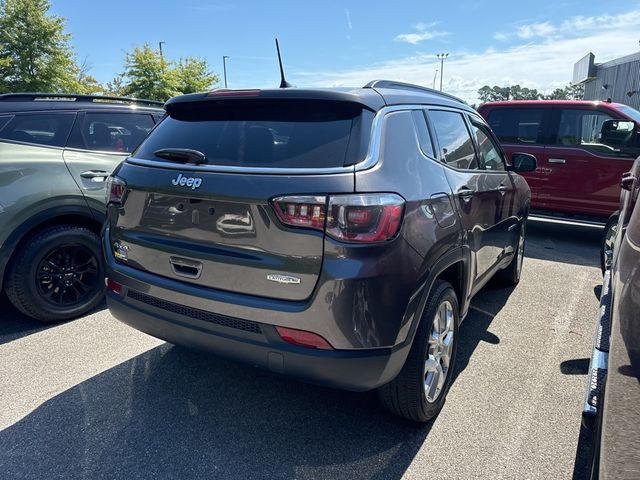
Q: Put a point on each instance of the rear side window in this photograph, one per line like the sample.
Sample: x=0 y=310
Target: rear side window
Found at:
x=4 y=119
x=516 y=125
x=456 y=146
x=261 y=133
x=110 y=132
x=50 y=129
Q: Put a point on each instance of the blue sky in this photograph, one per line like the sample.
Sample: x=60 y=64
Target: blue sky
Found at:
x=338 y=43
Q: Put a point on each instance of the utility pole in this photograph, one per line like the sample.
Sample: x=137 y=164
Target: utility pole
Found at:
x=224 y=67
x=435 y=75
x=161 y=55
x=441 y=57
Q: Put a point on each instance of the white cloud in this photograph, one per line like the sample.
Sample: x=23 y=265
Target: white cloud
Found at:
x=532 y=30
x=422 y=33
x=348 y=15
x=543 y=63
x=501 y=36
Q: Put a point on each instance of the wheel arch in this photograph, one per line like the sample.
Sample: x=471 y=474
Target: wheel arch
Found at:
x=59 y=215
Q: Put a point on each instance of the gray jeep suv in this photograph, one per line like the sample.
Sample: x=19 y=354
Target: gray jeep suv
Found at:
x=333 y=235
x=56 y=152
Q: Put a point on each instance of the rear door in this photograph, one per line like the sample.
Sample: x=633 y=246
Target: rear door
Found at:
x=581 y=174
x=522 y=128
x=217 y=224
x=98 y=142
x=477 y=192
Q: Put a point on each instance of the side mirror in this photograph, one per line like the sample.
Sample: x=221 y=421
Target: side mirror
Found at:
x=617 y=133
x=523 y=162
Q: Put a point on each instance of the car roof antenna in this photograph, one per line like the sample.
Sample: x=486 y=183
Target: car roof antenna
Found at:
x=283 y=81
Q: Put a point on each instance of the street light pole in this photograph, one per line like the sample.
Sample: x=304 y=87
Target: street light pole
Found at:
x=441 y=57
x=224 y=67
x=161 y=55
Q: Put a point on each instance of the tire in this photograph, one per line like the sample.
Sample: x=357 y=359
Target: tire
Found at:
x=407 y=395
x=57 y=275
x=608 y=238
x=511 y=274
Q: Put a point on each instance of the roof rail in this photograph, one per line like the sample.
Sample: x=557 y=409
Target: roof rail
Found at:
x=409 y=86
x=71 y=97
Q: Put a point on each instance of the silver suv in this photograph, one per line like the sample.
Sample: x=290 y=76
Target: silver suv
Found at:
x=56 y=152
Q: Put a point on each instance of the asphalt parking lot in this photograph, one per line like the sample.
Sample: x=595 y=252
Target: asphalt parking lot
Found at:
x=93 y=398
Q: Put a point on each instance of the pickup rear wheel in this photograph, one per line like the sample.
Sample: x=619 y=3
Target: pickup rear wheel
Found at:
x=57 y=275
x=608 y=239
x=418 y=392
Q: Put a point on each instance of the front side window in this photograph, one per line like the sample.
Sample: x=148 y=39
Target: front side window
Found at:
x=595 y=131
x=491 y=157
x=516 y=125
x=456 y=146
x=49 y=129
x=111 y=132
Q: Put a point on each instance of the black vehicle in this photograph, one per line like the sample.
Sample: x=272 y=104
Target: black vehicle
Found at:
x=333 y=235
x=56 y=152
x=612 y=402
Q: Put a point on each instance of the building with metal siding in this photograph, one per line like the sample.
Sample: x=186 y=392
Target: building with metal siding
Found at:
x=618 y=80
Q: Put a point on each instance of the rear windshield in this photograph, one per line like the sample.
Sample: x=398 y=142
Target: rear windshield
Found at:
x=262 y=133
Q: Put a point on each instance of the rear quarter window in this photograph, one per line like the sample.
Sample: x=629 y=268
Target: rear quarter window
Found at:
x=516 y=125
x=280 y=134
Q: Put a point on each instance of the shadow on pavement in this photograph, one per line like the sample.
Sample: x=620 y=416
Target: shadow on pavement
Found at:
x=564 y=242
x=15 y=325
x=172 y=413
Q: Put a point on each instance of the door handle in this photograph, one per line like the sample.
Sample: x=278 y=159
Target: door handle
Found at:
x=557 y=160
x=465 y=194
x=185 y=268
x=95 y=175
x=502 y=189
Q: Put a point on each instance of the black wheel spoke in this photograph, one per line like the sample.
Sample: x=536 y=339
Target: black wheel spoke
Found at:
x=67 y=275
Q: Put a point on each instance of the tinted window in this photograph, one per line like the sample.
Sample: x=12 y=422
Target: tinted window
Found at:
x=456 y=146
x=110 y=132
x=516 y=125
x=286 y=134
x=630 y=112
x=424 y=138
x=51 y=129
x=491 y=158
x=587 y=129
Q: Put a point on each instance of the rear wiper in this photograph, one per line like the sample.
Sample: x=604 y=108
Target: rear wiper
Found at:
x=185 y=155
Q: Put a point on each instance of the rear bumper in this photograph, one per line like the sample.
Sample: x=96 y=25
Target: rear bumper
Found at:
x=356 y=370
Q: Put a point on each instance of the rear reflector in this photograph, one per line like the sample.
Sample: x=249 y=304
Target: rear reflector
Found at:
x=303 y=338
x=114 y=286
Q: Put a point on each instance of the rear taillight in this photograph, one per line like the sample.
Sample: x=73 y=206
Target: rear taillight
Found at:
x=114 y=190
x=303 y=338
x=301 y=211
x=365 y=218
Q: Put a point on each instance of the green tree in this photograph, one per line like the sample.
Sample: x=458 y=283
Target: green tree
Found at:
x=193 y=75
x=148 y=75
x=35 y=51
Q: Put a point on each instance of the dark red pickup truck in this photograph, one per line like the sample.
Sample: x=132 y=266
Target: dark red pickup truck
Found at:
x=582 y=147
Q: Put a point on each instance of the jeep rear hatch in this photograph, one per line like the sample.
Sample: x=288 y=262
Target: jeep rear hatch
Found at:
x=186 y=216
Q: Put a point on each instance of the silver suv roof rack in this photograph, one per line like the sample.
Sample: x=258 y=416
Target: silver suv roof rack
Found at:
x=71 y=97
x=409 y=86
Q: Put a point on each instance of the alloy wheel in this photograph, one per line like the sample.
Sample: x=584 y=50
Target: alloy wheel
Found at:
x=439 y=351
